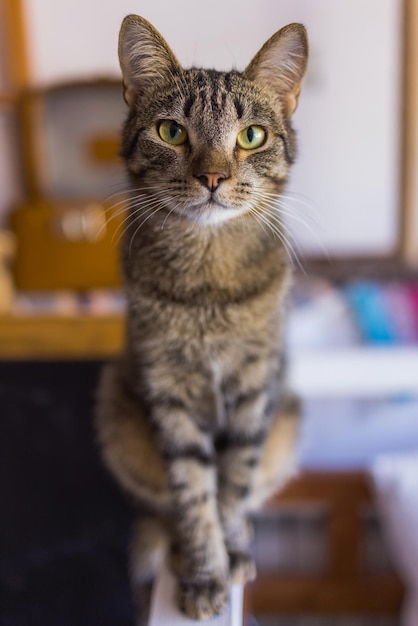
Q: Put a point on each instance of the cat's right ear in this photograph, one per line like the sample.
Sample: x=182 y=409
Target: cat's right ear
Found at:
x=281 y=64
x=145 y=58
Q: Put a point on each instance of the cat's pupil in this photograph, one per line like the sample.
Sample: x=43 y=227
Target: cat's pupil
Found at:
x=174 y=130
x=250 y=134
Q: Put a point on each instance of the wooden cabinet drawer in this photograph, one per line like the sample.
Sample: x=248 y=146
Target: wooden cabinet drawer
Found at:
x=67 y=244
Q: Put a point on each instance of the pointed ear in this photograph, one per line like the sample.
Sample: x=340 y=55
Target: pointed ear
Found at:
x=281 y=64
x=144 y=57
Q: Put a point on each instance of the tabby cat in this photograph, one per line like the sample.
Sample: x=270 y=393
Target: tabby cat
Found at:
x=195 y=420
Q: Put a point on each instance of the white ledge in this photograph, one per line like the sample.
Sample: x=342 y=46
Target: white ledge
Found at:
x=372 y=371
x=164 y=611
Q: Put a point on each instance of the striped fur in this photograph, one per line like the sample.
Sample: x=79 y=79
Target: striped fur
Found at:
x=195 y=420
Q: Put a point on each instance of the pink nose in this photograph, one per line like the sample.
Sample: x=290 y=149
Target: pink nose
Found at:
x=212 y=180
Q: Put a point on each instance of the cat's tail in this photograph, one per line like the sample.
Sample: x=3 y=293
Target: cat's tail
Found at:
x=148 y=547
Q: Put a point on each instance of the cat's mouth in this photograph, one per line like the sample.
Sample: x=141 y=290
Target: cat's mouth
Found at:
x=212 y=202
x=211 y=211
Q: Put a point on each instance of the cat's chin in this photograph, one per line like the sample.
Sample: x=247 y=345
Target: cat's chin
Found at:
x=211 y=213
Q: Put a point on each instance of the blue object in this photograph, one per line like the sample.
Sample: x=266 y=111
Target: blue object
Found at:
x=369 y=305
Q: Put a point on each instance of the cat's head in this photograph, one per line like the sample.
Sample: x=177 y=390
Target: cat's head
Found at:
x=202 y=144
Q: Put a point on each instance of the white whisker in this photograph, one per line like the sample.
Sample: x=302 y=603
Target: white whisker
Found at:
x=277 y=228
x=274 y=203
x=283 y=210
x=140 y=226
x=140 y=209
x=174 y=208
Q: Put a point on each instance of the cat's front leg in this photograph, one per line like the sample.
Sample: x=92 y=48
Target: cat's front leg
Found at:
x=238 y=455
x=239 y=450
x=202 y=562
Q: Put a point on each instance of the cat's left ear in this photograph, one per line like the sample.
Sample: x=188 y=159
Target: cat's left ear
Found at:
x=145 y=58
x=281 y=64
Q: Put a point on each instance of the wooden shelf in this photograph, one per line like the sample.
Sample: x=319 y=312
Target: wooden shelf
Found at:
x=60 y=337
x=342 y=586
x=275 y=594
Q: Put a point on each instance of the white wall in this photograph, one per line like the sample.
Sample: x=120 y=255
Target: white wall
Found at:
x=349 y=115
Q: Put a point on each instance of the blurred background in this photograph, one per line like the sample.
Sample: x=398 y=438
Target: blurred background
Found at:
x=352 y=211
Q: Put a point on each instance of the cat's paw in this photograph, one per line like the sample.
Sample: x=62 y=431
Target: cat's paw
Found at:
x=203 y=600
x=242 y=568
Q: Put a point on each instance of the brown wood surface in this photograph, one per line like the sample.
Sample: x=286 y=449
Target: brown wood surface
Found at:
x=7 y=99
x=336 y=487
x=54 y=337
x=46 y=259
x=105 y=149
x=15 y=44
x=314 y=595
x=344 y=494
x=342 y=588
x=409 y=243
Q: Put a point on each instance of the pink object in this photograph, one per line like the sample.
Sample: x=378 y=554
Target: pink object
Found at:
x=412 y=289
x=401 y=312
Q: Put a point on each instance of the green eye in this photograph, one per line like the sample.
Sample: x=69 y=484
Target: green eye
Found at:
x=172 y=133
x=251 y=137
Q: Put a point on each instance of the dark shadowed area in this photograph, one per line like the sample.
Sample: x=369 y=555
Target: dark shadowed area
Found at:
x=64 y=525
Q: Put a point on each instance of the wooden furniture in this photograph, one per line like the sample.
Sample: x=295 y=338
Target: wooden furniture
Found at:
x=70 y=216
x=38 y=337
x=74 y=208
x=342 y=588
x=409 y=242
